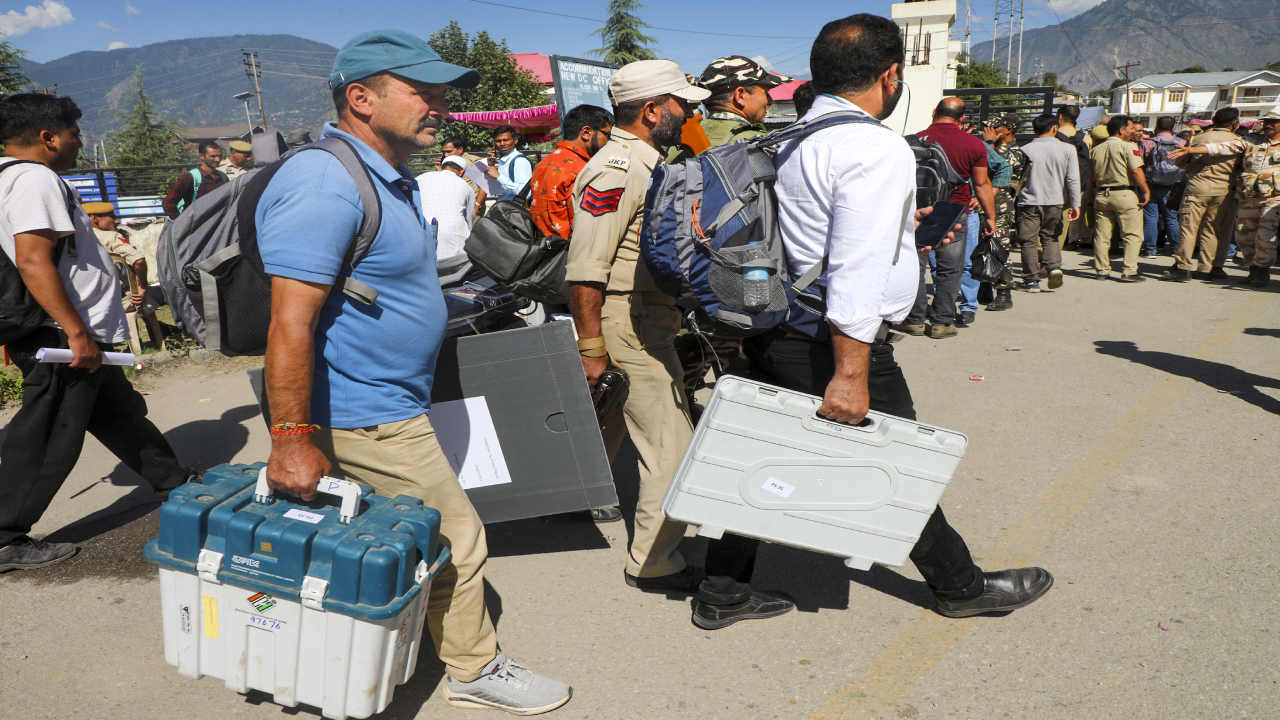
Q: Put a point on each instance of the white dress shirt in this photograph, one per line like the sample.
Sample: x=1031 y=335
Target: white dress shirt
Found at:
x=514 y=171
x=849 y=193
x=451 y=202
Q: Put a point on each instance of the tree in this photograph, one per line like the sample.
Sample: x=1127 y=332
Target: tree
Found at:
x=1192 y=69
x=973 y=73
x=1228 y=69
x=503 y=84
x=1117 y=83
x=623 y=35
x=147 y=136
x=12 y=77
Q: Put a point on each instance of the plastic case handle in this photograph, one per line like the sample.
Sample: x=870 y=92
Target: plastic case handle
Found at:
x=348 y=491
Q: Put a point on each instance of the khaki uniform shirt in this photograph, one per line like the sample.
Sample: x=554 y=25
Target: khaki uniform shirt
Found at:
x=115 y=244
x=721 y=128
x=231 y=171
x=1113 y=163
x=1209 y=175
x=608 y=199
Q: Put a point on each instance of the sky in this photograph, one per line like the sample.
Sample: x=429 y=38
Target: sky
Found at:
x=50 y=29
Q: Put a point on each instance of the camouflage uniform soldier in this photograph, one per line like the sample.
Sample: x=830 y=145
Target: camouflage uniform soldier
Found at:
x=1007 y=180
x=735 y=112
x=1258 y=216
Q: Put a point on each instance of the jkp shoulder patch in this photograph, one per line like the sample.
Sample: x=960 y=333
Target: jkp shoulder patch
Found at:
x=618 y=162
x=601 y=202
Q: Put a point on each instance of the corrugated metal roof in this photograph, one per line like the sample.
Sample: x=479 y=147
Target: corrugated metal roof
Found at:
x=1198 y=79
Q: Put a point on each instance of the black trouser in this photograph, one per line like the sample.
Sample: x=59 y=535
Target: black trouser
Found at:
x=806 y=366
x=60 y=403
x=948 y=271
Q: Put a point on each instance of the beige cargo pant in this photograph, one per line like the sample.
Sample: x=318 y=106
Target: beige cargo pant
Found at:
x=639 y=331
x=1256 y=227
x=1198 y=222
x=1111 y=208
x=404 y=458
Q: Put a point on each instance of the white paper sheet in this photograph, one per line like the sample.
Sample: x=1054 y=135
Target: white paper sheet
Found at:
x=62 y=355
x=470 y=442
x=475 y=174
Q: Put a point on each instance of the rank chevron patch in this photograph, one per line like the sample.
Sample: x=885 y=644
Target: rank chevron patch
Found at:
x=601 y=202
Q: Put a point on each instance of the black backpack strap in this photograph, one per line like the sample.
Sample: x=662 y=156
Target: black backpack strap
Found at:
x=350 y=159
x=66 y=241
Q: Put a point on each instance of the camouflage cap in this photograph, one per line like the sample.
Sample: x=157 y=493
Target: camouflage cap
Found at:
x=1009 y=120
x=736 y=71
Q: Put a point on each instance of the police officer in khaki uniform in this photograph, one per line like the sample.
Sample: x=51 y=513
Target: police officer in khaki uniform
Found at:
x=115 y=240
x=1204 y=231
x=736 y=110
x=239 y=161
x=1118 y=189
x=622 y=318
x=619 y=312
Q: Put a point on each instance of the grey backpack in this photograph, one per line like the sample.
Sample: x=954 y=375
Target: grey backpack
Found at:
x=209 y=265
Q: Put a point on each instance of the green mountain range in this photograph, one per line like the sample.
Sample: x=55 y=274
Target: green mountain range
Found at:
x=196 y=79
x=1087 y=65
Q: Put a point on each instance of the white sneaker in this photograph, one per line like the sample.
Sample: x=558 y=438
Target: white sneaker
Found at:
x=508 y=685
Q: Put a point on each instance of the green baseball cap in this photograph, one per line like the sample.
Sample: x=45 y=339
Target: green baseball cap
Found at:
x=398 y=52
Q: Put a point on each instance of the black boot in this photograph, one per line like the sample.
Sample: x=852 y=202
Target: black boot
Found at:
x=1003 y=301
x=1262 y=279
x=1253 y=273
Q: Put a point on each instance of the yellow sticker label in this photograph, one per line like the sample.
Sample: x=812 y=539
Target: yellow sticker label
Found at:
x=266 y=546
x=618 y=162
x=211 y=617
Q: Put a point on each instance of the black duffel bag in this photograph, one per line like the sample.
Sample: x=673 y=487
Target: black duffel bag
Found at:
x=508 y=247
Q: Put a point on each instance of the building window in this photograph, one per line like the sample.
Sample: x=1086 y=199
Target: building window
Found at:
x=1224 y=95
x=1139 y=96
x=1251 y=92
x=1250 y=113
x=1176 y=96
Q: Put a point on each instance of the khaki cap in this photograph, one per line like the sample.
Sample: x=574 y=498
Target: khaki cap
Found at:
x=241 y=146
x=645 y=79
x=99 y=208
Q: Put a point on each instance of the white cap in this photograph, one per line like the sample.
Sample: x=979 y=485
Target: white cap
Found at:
x=645 y=79
x=458 y=160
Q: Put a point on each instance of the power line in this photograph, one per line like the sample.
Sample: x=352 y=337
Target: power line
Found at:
x=316 y=52
x=654 y=27
x=1148 y=27
x=1075 y=47
x=274 y=72
x=129 y=72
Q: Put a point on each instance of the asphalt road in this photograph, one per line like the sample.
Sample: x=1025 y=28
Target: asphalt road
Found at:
x=1124 y=437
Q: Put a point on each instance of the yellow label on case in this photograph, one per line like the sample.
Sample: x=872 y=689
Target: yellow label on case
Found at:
x=211 y=617
x=266 y=546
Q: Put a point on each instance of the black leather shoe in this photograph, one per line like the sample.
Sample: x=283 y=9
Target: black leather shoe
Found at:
x=966 y=318
x=1218 y=274
x=686 y=581
x=760 y=606
x=1131 y=279
x=1001 y=591
x=1003 y=301
x=1176 y=274
x=1253 y=273
x=606 y=515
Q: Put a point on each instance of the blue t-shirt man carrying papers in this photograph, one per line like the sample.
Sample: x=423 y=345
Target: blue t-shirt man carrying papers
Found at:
x=349 y=383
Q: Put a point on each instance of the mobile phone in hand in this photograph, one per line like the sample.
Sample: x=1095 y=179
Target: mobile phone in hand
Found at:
x=935 y=226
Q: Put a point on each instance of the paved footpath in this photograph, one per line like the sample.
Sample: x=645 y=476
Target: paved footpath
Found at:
x=1128 y=443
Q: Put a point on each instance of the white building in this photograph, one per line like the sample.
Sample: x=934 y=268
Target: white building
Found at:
x=931 y=60
x=1198 y=95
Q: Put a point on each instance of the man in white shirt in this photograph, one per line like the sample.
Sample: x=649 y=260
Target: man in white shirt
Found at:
x=508 y=165
x=450 y=203
x=50 y=250
x=848 y=194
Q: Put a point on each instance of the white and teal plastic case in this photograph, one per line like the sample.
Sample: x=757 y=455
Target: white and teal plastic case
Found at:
x=315 y=603
x=764 y=464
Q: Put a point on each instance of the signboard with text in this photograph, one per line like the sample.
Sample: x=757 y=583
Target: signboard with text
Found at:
x=580 y=82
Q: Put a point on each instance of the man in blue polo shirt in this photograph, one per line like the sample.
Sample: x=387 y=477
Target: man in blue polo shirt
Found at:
x=349 y=384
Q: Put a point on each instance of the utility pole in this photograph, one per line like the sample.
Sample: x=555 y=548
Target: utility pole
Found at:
x=1125 y=68
x=967 y=45
x=254 y=73
x=1022 y=6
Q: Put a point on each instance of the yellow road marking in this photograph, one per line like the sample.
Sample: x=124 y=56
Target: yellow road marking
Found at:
x=885 y=682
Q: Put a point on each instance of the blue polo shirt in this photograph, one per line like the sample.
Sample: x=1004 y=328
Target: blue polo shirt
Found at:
x=374 y=363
